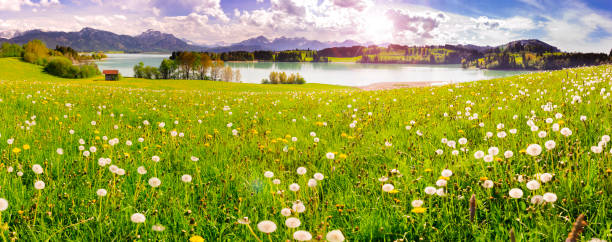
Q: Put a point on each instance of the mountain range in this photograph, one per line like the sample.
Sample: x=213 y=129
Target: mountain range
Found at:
x=89 y=39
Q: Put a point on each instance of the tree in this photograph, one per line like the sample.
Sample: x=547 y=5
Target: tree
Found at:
x=139 y=70
x=215 y=71
x=205 y=63
x=227 y=75
x=167 y=69
x=186 y=61
x=11 y=50
x=237 y=75
x=36 y=52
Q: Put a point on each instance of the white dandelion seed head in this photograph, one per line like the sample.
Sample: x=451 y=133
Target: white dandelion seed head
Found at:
x=292 y=222
x=138 y=218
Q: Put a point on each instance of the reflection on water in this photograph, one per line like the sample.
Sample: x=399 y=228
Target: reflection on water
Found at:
x=350 y=74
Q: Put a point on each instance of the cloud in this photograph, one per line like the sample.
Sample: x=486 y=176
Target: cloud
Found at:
x=534 y=3
x=514 y=23
x=355 y=4
x=419 y=24
x=15 y=5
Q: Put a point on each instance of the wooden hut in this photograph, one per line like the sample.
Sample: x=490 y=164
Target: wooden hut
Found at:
x=111 y=75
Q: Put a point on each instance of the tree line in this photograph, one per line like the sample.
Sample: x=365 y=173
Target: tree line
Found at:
x=189 y=65
x=282 y=78
x=58 y=62
x=536 y=61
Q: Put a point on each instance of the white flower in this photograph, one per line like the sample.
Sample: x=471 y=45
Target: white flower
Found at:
x=3 y=204
x=276 y=181
x=513 y=131
x=335 y=236
x=39 y=185
x=37 y=169
x=286 y=212
x=439 y=152
x=101 y=192
x=60 y=151
x=330 y=155
x=508 y=154
x=488 y=158
x=515 y=193
x=302 y=235
x=268 y=174
x=596 y=149
x=154 y=182
x=313 y=134
x=534 y=149
x=299 y=207
x=266 y=226
x=158 y=228
x=550 y=144
x=430 y=190
x=493 y=151
x=583 y=118
x=292 y=222
x=441 y=183
x=605 y=138
x=186 y=178
x=479 y=154
x=546 y=177
x=155 y=158
x=463 y=141
x=388 y=187
x=318 y=176
x=316 y=140
x=537 y=199
x=113 y=169
x=142 y=170
x=440 y=192
x=120 y=172
x=566 y=132
x=312 y=182
x=487 y=184
x=193 y=158
x=138 y=218
x=533 y=185
x=447 y=173
x=550 y=197
x=417 y=203
x=301 y=170
x=294 y=187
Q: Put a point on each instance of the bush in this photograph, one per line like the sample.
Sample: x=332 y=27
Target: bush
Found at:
x=62 y=67
x=281 y=78
x=11 y=50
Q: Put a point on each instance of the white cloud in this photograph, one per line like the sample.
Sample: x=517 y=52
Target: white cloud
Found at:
x=14 y=5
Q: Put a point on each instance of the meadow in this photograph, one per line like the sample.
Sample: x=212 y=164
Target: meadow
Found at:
x=164 y=160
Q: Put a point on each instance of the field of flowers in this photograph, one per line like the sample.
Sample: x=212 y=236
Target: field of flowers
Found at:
x=516 y=158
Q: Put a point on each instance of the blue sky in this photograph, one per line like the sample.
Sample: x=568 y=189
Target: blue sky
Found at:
x=572 y=25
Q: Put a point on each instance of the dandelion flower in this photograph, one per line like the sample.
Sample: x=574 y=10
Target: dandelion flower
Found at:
x=293 y=222
x=286 y=212
x=446 y=173
x=335 y=236
x=154 y=182
x=533 y=185
x=294 y=187
x=138 y=218
x=479 y=154
x=101 y=192
x=330 y=155
x=302 y=235
x=299 y=207
x=312 y=182
x=537 y=199
x=550 y=197
x=417 y=203
x=430 y=190
x=534 y=149
x=441 y=183
x=515 y=193
x=3 y=204
x=155 y=158
x=487 y=184
x=301 y=170
x=186 y=178
x=318 y=176
x=266 y=226
x=39 y=185
x=141 y=170
x=37 y=169
x=268 y=174
x=388 y=187
x=546 y=177
x=161 y=228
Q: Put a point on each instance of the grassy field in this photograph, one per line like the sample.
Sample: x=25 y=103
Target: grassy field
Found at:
x=189 y=160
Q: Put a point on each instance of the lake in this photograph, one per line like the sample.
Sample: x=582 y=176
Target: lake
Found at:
x=348 y=74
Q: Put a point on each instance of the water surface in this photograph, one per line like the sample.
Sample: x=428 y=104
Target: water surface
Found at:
x=348 y=74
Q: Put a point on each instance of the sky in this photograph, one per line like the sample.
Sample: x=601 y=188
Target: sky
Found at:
x=571 y=25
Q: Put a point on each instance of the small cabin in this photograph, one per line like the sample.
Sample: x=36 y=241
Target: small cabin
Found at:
x=111 y=75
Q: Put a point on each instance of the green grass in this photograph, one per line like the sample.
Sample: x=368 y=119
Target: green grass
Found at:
x=228 y=179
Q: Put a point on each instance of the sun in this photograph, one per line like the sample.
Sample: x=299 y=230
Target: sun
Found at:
x=378 y=28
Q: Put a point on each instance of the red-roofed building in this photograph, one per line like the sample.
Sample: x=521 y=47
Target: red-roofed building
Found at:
x=111 y=75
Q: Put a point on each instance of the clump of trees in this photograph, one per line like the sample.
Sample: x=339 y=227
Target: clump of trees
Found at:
x=536 y=61
x=282 y=78
x=63 y=67
x=11 y=50
x=189 y=66
x=57 y=62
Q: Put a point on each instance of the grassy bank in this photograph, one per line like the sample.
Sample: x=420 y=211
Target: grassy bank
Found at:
x=378 y=152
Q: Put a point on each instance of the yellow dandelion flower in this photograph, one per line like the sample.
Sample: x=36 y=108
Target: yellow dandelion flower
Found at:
x=342 y=156
x=394 y=191
x=484 y=178
x=427 y=170
x=26 y=147
x=196 y=238
x=419 y=210
x=16 y=150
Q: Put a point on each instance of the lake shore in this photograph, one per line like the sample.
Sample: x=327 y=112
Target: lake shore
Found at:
x=396 y=85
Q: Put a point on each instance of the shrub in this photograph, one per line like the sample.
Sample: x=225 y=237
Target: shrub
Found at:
x=62 y=67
